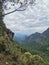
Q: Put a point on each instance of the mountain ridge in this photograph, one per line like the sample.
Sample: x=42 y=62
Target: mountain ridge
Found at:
x=37 y=35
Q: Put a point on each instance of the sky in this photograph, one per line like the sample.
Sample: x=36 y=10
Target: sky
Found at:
x=34 y=19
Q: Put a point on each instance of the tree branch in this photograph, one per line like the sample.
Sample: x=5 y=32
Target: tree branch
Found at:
x=19 y=9
x=12 y=12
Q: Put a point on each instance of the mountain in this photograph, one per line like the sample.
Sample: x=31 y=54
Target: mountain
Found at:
x=46 y=33
x=38 y=37
x=34 y=36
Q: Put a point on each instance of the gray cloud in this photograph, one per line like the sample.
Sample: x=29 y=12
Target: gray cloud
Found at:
x=33 y=19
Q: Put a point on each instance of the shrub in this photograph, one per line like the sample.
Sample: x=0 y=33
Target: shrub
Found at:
x=7 y=52
x=2 y=47
x=15 y=58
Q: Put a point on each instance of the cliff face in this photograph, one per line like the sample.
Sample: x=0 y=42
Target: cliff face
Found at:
x=4 y=30
x=9 y=33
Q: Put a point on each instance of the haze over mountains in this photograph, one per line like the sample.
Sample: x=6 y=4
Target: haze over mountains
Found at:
x=19 y=37
x=36 y=37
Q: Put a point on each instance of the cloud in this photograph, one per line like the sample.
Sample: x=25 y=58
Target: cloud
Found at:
x=33 y=19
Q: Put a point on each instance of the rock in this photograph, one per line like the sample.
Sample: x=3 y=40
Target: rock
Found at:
x=10 y=33
x=6 y=63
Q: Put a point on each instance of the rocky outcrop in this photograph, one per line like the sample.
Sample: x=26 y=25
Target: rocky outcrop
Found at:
x=10 y=33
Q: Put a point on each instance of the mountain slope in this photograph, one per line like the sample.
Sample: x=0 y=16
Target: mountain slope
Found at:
x=38 y=43
x=39 y=37
x=46 y=33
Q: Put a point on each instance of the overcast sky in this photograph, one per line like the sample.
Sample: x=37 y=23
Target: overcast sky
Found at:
x=33 y=19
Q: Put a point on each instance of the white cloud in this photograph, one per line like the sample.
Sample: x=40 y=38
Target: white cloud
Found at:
x=33 y=19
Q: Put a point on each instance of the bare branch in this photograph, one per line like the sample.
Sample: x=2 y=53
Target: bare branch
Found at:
x=22 y=7
x=12 y=12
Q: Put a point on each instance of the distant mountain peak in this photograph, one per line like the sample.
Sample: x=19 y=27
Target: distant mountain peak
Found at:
x=46 y=32
x=48 y=29
x=35 y=35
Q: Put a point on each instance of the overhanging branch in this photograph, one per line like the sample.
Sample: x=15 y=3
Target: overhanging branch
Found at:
x=12 y=12
x=19 y=9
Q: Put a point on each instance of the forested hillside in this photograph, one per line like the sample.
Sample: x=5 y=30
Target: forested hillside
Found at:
x=38 y=43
